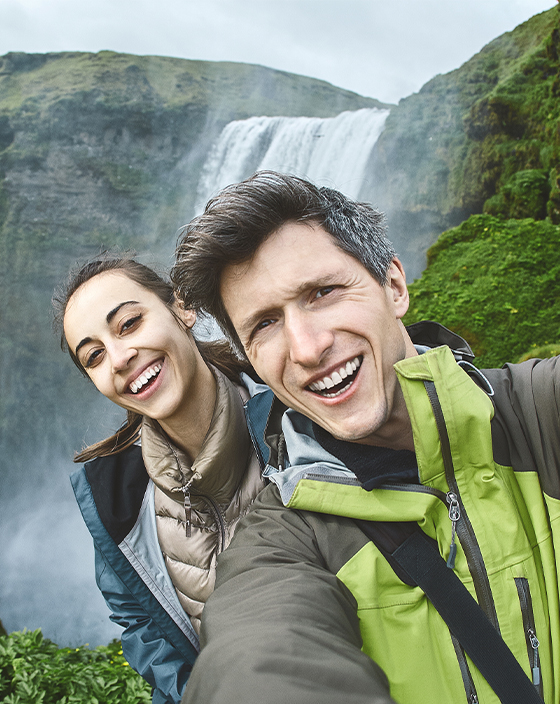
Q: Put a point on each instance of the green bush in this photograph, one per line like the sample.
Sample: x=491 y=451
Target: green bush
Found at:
x=496 y=283
x=34 y=670
x=544 y=352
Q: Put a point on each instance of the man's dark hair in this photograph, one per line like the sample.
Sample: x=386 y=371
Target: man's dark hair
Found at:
x=241 y=217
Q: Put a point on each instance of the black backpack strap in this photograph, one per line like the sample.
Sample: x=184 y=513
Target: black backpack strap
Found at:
x=421 y=561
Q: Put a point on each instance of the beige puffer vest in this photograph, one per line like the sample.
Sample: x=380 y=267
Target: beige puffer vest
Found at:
x=215 y=492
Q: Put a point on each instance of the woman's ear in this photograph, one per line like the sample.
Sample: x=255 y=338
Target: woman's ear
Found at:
x=187 y=315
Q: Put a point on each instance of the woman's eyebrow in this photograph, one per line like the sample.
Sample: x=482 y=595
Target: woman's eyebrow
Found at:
x=110 y=315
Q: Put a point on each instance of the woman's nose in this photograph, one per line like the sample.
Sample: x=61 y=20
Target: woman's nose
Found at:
x=121 y=355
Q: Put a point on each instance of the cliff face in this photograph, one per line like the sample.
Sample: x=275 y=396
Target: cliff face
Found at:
x=96 y=151
x=482 y=138
x=106 y=145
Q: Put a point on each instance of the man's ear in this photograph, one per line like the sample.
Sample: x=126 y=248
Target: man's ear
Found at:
x=187 y=315
x=396 y=283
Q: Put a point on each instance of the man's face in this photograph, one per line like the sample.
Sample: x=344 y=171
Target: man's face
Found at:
x=321 y=332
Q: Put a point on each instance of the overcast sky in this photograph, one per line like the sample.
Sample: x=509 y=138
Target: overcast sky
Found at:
x=386 y=49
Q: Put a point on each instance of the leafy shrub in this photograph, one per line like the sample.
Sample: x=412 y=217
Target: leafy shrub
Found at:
x=34 y=670
x=525 y=195
x=496 y=283
x=544 y=352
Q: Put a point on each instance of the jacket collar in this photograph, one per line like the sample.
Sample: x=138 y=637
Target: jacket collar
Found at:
x=221 y=463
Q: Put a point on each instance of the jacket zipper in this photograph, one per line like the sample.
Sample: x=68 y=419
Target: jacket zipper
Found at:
x=463 y=526
x=454 y=515
x=187 y=503
x=531 y=639
x=470 y=690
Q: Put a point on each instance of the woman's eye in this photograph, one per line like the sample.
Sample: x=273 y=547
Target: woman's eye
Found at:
x=130 y=323
x=92 y=358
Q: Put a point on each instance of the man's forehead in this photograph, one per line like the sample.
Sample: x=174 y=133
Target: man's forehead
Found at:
x=287 y=246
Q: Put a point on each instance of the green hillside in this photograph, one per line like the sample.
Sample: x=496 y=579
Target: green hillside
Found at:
x=482 y=138
x=497 y=283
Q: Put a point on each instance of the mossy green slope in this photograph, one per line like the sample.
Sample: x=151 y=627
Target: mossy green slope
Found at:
x=497 y=283
x=483 y=137
x=235 y=89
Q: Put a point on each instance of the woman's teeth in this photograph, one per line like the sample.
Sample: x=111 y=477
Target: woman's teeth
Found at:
x=336 y=378
x=144 y=378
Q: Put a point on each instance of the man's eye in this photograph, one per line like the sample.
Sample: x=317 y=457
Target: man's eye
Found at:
x=130 y=323
x=320 y=293
x=263 y=324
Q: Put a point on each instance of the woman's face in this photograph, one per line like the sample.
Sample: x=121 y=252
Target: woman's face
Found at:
x=133 y=348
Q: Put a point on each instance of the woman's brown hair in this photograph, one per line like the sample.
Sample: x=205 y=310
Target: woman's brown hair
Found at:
x=218 y=353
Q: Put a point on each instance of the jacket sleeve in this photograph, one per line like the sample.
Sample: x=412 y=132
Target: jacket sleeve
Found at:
x=281 y=627
x=526 y=428
x=144 y=644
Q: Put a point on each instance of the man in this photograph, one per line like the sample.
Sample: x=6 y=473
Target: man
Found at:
x=383 y=425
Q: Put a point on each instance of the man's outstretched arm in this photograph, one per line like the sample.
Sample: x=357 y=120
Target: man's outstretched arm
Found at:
x=280 y=626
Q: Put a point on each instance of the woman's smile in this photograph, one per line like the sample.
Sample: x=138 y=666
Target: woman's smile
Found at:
x=145 y=380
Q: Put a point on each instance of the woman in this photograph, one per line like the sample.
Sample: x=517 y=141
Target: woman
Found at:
x=159 y=510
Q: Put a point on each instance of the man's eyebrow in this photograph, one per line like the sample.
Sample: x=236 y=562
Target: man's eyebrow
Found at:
x=110 y=315
x=246 y=326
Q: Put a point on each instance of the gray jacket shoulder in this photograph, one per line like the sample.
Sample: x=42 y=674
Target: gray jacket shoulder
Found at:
x=526 y=426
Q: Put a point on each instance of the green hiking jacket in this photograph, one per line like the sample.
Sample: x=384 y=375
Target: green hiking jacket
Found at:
x=318 y=614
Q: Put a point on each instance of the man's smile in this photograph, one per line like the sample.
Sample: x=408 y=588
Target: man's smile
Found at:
x=338 y=381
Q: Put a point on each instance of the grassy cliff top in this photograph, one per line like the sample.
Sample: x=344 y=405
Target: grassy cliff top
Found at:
x=122 y=79
x=499 y=59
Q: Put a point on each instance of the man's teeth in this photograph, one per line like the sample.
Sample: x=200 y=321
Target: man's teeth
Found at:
x=144 y=378
x=337 y=377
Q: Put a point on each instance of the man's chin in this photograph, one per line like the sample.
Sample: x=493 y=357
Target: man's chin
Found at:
x=347 y=434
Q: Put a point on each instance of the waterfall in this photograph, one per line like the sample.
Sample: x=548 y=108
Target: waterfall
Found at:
x=330 y=151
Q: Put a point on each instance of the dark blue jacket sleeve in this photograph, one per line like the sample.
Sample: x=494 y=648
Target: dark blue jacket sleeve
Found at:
x=144 y=644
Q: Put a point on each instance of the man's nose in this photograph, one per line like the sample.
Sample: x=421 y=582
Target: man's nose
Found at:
x=309 y=338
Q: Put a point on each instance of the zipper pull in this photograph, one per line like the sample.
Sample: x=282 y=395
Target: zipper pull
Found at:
x=188 y=508
x=454 y=516
x=536 y=669
x=281 y=452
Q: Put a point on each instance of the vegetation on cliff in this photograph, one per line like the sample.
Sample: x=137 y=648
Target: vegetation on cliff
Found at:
x=33 y=669
x=497 y=283
x=482 y=138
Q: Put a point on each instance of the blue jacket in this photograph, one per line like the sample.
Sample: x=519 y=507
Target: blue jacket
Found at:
x=116 y=498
